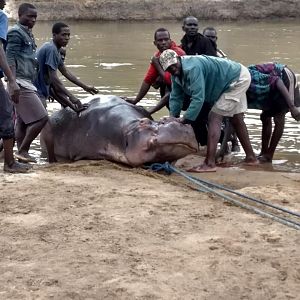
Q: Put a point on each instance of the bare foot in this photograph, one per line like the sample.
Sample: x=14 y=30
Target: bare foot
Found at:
x=17 y=167
x=264 y=159
x=251 y=162
x=24 y=157
x=202 y=169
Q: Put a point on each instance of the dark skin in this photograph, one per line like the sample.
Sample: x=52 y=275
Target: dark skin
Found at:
x=214 y=131
x=271 y=139
x=60 y=93
x=9 y=162
x=61 y=40
x=162 y=42
x=190 y=27
x=26 y=133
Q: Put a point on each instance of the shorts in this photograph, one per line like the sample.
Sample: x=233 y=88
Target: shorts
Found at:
x=276 y=104
x=30 y=108
x=6 y=115
x=234 y=100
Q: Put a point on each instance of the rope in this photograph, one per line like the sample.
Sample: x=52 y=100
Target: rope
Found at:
x=206 y=186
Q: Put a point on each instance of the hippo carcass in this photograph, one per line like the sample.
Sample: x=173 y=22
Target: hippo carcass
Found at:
x=111 y=128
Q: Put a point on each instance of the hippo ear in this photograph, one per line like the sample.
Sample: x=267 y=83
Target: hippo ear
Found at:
x=143 y=111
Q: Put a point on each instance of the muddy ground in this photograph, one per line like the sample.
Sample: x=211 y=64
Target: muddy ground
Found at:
x=98 y=230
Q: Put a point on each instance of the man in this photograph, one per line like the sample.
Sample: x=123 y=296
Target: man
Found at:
x=21 y=57
x=211 y=33
x=193 y=42
x=6 y=107
x=220 y=82
x=275 y=91
x=162 y=41
x=51 y=58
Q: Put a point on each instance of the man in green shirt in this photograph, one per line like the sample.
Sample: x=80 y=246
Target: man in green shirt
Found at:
x=223 y=84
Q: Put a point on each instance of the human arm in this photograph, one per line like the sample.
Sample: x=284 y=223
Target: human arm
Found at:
x=284 y=92
x=157 y=66
x=62 y=92
x=195 y=78
x=149 y=79
x=176 y=99
x=64 y=100
x=141 y=94
x=162 y=103
x=65 y=72
x=8 y=63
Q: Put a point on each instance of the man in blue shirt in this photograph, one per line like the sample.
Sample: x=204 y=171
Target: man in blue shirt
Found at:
x=50 y=60
x=219 y=82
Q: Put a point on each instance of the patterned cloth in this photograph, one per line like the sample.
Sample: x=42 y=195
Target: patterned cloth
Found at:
x=263 y=80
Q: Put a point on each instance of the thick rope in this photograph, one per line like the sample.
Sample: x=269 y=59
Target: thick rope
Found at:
x=205 y=186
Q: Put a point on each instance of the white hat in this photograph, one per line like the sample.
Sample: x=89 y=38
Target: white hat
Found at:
x=168 y=58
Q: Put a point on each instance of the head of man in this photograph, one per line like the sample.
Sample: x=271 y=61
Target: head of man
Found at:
x=60 y=34
x=170 y=62
x=210 y=33
x=2 y=4
x=190 y=26
x=27 y=14
x=162 y=39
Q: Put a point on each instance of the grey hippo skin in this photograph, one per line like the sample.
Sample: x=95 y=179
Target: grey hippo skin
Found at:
x=112 y=129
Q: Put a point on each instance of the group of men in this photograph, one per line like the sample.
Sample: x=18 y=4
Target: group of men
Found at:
x=195 y=77
x=32 y=77
x=209 y=88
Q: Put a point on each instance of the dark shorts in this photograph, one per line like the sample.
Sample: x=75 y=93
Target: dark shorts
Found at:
x=30 y=107
x=276 y=103
x=6 y=115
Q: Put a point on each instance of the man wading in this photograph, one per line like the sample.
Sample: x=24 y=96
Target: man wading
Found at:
x=222 y=83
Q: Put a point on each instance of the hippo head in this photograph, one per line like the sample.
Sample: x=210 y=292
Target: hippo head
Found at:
x=148 y=141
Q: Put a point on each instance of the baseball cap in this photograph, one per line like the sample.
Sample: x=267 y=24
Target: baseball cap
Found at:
x=168 y=58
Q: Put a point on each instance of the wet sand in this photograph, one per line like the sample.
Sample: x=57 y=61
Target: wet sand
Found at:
x=98 y=230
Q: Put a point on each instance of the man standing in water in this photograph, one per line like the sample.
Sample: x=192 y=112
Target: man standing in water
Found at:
x=274 y=90
x=155 y=73
x=50 y=60
x=6 y=107
x=193 y=42
x=21 y=57
x=220 y=82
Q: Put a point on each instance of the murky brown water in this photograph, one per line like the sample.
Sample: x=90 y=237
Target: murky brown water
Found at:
x=114 y=56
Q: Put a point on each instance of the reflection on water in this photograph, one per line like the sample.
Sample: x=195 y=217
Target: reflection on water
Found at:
x=114 y=56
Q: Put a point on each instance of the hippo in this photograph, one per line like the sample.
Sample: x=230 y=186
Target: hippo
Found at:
x=113 y=129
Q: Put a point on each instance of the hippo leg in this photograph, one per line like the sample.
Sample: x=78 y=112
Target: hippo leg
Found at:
x=48 y=139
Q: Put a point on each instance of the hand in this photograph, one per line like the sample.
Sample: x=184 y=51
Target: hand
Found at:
x=14 y=91
x=79 y=107
x=295 y=113
x=92 y=90
x=129 y=100
x=165 y=120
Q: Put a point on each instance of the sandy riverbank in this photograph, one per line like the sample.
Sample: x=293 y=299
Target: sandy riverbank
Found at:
x=97 y=230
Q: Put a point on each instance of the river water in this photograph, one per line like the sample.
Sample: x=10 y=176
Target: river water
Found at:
x=114 y=56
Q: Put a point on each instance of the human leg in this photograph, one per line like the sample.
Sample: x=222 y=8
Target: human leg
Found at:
x=266 y=133
x=33 y=116
x=20 y=131
x=32 y=131
x=242 y=133
x=7 y=134
x=48 y=138
x=10 y=165
x=279 y=121
x=214 y=131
